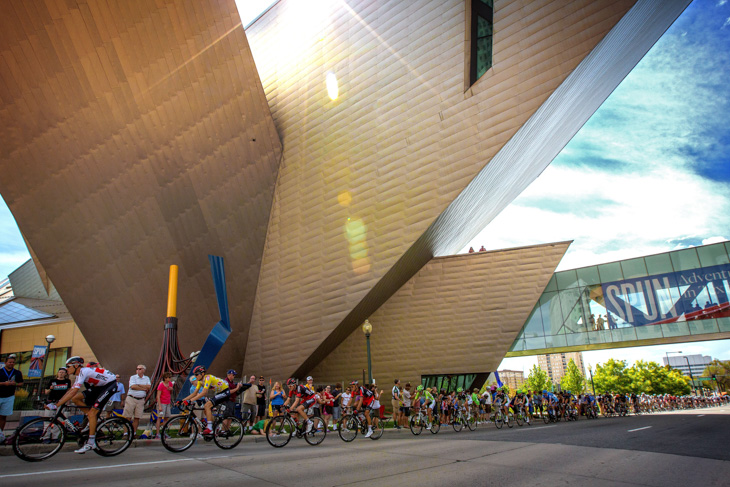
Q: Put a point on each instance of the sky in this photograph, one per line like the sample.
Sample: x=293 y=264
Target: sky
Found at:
x=648 y=173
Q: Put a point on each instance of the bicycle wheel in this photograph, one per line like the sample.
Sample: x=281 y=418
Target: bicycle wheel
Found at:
x=318 y=432
x=510 y=420
x=416 y=424
x=378 y=428
x=279 y=430
x=518 y=419
x=179 y=433
x=545 y=417
x=348 y=427
x=113 y=436
x=228 y=437
x=498 y=420
x=457 y=423
x=471 y=423
x=39 y=439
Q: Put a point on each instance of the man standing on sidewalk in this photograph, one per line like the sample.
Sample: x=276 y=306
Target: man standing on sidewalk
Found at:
x=396 y=402
x=139 y=385
x=10 y=378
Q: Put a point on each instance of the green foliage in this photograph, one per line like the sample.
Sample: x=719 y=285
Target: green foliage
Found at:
x=573 y=380
x=721 y=370
x=648 y=377
x=537 y=379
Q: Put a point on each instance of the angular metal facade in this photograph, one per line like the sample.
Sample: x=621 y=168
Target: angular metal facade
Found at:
x=135 y=135
x=458 y=314
x=140 y=134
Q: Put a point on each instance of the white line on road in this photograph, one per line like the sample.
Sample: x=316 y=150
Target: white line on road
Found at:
x=536 y=428
x=639 y=429
x=93 y=468
x=700 y=415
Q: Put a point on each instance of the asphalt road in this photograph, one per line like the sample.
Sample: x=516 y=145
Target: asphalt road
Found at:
x=678 y=448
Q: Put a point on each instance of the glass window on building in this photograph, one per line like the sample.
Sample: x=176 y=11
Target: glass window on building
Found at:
x=482 y=22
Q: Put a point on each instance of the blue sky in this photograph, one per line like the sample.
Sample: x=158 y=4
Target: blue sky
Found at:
x=648 y=173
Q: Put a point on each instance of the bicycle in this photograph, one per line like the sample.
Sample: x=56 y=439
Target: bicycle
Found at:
x=180 y=432
x=521 y=416
x=352 y=424
x=460 y=420
x=420 y=419
x=42 y=438
x=281 y=428
x=500 y=419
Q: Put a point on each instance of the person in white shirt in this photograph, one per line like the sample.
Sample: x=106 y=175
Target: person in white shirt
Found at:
x=139 y=386
x=406 y=408
x=346 y=396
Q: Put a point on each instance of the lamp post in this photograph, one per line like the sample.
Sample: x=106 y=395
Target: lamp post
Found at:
x=367 y=328
x=689 y=368
x=49 y=339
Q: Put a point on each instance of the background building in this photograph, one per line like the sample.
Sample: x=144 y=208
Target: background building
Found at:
x=556 y=364
x=686 y=363
x=513 y=378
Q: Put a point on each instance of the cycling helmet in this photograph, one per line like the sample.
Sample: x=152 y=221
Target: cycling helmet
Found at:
x=198 y=370
x=92 y=364
x=519 y=391
x=459 y=389
x=544 y=392
x=76 y=360
x=354 y=383
x=419 y=388
x=291 y=381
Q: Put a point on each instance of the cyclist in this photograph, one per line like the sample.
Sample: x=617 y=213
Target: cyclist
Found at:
x=428 y=403
x=502 y=400
x=100 y=387
x=204 y=382
x=551 y=402
x=301 y=398
x=363 y=396
x=519 y=404
x=475 y=403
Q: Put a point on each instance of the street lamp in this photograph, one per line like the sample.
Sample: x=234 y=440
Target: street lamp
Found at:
x=367 y=328
x=49 y=339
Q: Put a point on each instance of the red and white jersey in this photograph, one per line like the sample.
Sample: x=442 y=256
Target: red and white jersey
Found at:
x=94 y=377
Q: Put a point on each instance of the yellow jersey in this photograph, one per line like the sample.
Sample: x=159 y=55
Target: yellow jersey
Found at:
x=212 y=382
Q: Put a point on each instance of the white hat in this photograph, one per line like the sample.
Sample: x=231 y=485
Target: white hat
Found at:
x=309 y=377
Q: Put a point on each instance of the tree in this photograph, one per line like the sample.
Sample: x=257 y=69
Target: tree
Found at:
x=648 y=377
x=573 y=380
x=721 y=370
x=611 y=377
x=537 y=379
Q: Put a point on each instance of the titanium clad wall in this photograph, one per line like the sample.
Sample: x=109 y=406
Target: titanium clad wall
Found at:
x=397 y=146
x=127 y=134
x=459 y=314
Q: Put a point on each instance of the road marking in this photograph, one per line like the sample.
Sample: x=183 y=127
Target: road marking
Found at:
x=700 y=415
x=639 y=429
x=95 y=468
x=536 y=428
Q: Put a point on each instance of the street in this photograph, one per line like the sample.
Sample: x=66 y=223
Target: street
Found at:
x=674 y=448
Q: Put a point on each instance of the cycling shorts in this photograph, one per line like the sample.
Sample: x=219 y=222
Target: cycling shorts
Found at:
x=97 y=397
x=307 y=403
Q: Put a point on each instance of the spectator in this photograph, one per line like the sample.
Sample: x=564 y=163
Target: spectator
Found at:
x=396 y=402
x=234 y=390
x=261 y=400
x=116 y=400
x=336 y=410
x=471 y=250
x=318 y=403
x=406 y=408
x=258 y=428
x=328 y=401
x=58 y=386
x=139 y=385
x=248 y=409
x=277 y=398
x=482 y=249
x=164 y=400
x=10 y=378
x=346 y=397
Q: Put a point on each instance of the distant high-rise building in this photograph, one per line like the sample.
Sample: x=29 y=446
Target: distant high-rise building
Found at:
x=556 y=364
x=685 y=363
x=513 y=378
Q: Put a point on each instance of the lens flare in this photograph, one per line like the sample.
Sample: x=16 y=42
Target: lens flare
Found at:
x=332 y=89
x=344 y=198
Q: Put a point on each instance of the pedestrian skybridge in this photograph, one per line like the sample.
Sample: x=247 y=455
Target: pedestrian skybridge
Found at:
x=678 y=296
